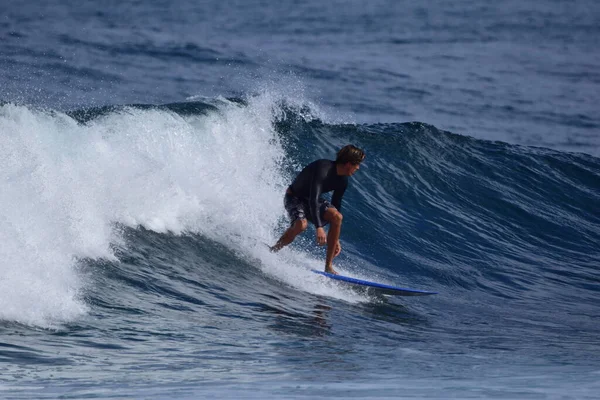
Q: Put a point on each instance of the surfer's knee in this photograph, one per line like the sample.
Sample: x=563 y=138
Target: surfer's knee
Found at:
x=335 y=217
x=300 y=225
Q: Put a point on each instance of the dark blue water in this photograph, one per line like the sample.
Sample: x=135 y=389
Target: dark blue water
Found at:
x=145 y=148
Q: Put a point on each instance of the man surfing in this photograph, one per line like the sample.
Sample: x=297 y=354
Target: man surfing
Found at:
x=303 y=201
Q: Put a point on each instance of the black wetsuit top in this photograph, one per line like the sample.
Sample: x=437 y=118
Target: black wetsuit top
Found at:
x=316 y=178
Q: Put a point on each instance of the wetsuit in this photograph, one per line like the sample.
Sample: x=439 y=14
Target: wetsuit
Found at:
x=303 y=197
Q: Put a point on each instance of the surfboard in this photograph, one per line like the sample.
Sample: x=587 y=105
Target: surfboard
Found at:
x=375 y=287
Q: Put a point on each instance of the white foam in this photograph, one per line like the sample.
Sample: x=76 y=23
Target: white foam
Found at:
x=64 y=185
x=294 y=267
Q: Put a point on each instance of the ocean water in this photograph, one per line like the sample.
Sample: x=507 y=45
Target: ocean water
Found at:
x=145 y=148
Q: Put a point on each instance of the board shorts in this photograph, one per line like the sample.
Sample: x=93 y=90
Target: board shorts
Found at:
x=298 y=208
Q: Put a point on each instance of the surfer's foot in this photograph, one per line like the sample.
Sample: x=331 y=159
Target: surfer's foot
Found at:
x=275 y=248
x=330 y=270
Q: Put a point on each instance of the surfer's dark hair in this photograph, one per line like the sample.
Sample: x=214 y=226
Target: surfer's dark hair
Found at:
x=351 y=154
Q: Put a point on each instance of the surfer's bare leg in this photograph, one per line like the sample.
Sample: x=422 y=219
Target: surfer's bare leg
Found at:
x=290 y=234
x=334 y=217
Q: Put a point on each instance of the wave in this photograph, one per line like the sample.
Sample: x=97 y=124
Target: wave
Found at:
x=196 y=188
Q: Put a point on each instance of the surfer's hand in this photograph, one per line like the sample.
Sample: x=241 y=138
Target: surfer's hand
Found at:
x=321 y=237
x=338 y=249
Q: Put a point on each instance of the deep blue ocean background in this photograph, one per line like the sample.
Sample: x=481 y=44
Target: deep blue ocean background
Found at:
x=145 y=148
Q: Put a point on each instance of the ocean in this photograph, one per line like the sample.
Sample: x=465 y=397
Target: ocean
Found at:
x=145 y=148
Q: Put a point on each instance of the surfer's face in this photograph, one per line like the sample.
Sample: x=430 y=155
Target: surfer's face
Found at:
x=351 y=168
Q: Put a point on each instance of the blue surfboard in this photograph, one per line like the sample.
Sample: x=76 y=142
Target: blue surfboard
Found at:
x=374 y=287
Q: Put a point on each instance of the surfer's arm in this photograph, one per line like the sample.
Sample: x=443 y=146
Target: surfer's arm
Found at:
x=336 y=199
x=316 y=187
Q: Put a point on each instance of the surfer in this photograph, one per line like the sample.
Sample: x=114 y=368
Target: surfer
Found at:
x=303 y=200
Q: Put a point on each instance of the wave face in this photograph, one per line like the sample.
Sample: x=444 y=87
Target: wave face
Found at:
x=138 y=232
